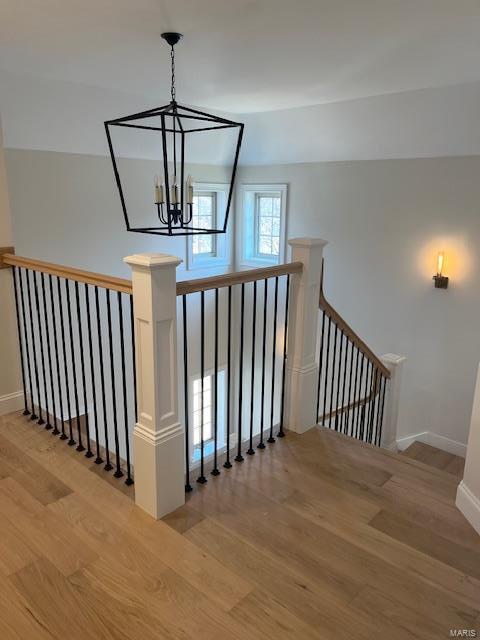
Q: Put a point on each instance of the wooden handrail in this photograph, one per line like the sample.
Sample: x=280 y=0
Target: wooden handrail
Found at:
x=357 y=403
x=88 y=277
x=3 y=252
x=125 y=286
x=229 y=279
x=350 y=333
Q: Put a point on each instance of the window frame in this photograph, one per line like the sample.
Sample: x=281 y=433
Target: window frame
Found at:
x=247 y=237
x=221 y=257
x=213 y=253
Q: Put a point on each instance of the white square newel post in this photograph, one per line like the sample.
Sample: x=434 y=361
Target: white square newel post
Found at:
x=158 y=437
x=394 y=364
x=302 y=368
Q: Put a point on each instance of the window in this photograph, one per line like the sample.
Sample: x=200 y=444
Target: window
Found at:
x=261 y=238
x=205 y=216
x=267 y=224
x=195 y=403
x=207 y=410
x=206 y=251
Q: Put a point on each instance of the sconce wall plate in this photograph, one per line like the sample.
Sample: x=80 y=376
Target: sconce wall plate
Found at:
x=441 y=282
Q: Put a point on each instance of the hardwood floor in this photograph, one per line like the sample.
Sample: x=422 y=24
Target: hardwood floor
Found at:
x=317 y=537
x=436 y=458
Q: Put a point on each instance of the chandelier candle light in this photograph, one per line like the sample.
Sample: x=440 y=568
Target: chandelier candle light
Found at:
x=173 y=194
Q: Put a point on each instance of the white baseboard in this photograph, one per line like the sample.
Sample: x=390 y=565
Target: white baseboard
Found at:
x=434 y=440
x=11 y=402
x=469 y=505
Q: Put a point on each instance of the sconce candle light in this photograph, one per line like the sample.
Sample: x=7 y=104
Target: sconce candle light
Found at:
x=441 y=281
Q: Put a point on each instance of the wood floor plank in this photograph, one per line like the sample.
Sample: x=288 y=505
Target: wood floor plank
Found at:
x=57 y=606
x=166 y=548
x=283 y=594
x=167 y=600
x=428 y=542
x=456 y=467
x=33 y=477
x=15 y=551
x=47 y=535
x=18 y=621
x=441 y=517
x=415 y=624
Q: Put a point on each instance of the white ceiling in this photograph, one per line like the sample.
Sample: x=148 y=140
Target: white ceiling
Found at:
x=246 y=55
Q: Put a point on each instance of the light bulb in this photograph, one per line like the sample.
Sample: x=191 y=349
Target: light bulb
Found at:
x=440 y=262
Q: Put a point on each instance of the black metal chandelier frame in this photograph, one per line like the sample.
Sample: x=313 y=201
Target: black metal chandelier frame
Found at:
x=175 y=214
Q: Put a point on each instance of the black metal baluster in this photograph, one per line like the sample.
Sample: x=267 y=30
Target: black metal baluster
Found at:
x=261 y=444
x=188 y=486
x=320 y=366
x=27 y=346
x=368 y=392
x=380 y=419
x=42 y=357
x=345 y=365
x=26 y=412
x=63 y=435
x=202 y=479
x=349 y=401
x=34 y=347
x=251 y=450
x=281 y=432
x=377 y=406
x=332 y=385
x=271 y=439
x=108 y=466
x=373 y=400
x=365 y=399
x=326 y=372
x=128 y=480
x=134 y=362
x=215 y=471
x=337 y=407
x=118 y=471
x=359 y=407
x=42 y=353
x=49 y=354
x=227 y=464
x=239 y=457
x=366 y=396
x=98 y=459
x=80 y=447
x=355 y=407
x=57 y=361
x=71 y=442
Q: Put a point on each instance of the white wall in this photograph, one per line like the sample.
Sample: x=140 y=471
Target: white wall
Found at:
x=66 y=209
x=384 y=221
x=46 y=114
x=10 y=381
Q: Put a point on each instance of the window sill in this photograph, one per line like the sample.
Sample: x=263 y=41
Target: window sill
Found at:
x=207 y=264
x=258 y=262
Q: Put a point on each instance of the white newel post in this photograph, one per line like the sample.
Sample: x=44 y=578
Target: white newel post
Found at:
x=158 y=437
x=394 y=364
x=302 y=368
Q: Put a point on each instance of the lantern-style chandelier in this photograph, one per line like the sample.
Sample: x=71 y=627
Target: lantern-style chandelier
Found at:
x=167 y=203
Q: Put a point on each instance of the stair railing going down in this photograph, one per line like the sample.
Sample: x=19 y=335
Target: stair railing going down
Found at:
x=352 y=380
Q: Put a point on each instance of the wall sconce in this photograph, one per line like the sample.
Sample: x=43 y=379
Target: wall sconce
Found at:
x=441 y=281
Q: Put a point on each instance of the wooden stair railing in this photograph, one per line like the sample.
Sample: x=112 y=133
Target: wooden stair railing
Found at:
x=254 y=402
x=352 y=379
x=77 y=355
